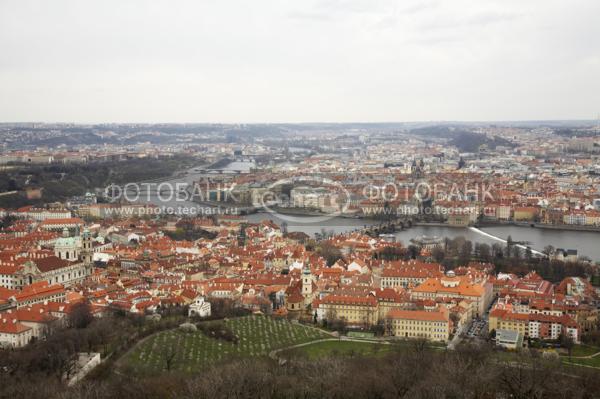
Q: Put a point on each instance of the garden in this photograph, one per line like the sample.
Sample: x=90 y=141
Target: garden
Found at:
x=189 y=351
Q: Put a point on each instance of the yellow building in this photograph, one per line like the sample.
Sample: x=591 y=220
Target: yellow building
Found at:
x=433 y=326
x=501 y=319
x=525 y=213
x=353 y=310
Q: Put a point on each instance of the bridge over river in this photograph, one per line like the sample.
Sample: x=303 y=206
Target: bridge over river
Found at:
x=388 y=226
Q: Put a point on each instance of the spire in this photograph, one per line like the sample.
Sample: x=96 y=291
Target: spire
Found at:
x=306 y=267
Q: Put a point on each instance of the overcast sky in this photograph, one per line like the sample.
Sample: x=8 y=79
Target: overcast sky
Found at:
x=299 y=60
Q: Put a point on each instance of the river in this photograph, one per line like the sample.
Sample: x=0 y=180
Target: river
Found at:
x=587 y=243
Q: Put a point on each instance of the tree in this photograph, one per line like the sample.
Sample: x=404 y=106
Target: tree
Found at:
x=330 y=253
x=169 y=354
x=567 y=342
x=497 y=250
x=465 y=252
x=438 y=254
x=484 y=252
x=548 y=250
x=455 y=319
x=378 y=329
x=413 y=251
x=7 y=221
x=81 y=315
x=419 y=345
x=391 y=253
x=509 y=246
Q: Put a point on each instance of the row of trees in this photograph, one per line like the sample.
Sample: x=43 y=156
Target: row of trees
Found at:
x=508 y=258
x=51 y=360
x=409 y=372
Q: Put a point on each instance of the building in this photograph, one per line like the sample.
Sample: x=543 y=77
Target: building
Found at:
x=414 y=324
x=525 y=214
x=61 y=224
x=566 y=255
x=534 y=325
x=408 y=274
x=43 y=214
x=39 y=292
x=459 y=219
x=14 y=334
x=199 y=307
x=549 y=327
x=509 y=339
x=500 y=319
x=74 y=248
x=354 y=310
x=452 y=286
x=54 y=270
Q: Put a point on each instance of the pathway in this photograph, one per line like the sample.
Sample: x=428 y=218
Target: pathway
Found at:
x=273 y=353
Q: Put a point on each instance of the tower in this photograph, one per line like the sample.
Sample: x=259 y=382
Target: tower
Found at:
x=306 y=280
x=86 y=246
x=242 y=235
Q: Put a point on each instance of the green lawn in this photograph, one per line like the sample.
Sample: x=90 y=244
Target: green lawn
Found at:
x=593 y=361
x=328 y=348
x=257 y=335
x=583 y=350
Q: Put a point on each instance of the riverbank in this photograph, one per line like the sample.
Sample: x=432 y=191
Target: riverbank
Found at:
x=557 y=227
x=561 y=227
x=306 y=212
x=438 y=224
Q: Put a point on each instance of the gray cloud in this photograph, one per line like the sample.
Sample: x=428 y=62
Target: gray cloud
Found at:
x=286 y=60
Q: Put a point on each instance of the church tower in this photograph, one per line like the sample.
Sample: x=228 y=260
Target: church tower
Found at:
x=86 y=246
x=306 y=280
x=242 y=235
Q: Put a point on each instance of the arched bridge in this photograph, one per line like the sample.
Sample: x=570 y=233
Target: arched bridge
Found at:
x=388 y=226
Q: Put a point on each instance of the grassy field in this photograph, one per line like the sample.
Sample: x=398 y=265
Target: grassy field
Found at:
x=583 y=350
x=346 y=348
x=590 y=361
x=578 y=352
x=192 y=351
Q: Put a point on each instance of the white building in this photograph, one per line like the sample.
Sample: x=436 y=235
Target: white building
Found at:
x=509 y=339
x=199 y=307
x=14 y=334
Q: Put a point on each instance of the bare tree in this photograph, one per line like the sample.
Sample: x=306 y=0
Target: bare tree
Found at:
x=169 y=355
x=81 y=315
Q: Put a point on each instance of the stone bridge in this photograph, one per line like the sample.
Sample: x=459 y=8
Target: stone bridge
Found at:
x=388 y=226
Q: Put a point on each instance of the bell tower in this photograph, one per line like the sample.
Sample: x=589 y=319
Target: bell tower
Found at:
x=87 y=252
x=306 y=280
